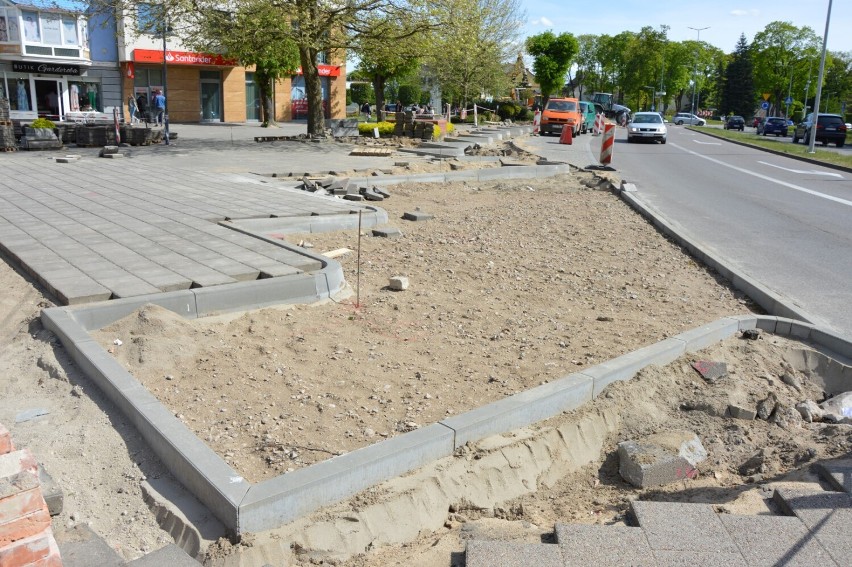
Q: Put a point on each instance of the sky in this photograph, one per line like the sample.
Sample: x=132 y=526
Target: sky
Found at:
x=725 y=19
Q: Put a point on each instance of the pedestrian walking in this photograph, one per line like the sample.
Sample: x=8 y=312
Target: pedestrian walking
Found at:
x=142 y=106
x=365 y=110
x=134 y=109
x=159 y=107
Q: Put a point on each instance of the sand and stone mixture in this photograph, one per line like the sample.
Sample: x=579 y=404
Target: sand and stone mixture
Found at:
x=511 y=284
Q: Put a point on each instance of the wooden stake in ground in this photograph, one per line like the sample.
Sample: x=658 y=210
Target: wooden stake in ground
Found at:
x=358 y=267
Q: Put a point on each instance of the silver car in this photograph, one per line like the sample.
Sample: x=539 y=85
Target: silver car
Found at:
x=682 y=118
x=647 y=126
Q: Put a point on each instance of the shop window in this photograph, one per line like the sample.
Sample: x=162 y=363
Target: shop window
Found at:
x=147 y=16
x=84 y=96
x=18 y=93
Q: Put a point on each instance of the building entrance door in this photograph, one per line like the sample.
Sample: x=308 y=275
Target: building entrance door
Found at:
x=252 y=99
x=48 y=98
x=211 y=99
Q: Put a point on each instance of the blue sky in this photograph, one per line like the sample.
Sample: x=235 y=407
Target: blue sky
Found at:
x=727 y=19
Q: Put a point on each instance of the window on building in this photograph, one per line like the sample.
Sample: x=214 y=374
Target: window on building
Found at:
x=51 y=25
x=69 y=30
x=147 y=17
x=84 y=96
x=18 y=92
x=4 y=29
x=32 y=32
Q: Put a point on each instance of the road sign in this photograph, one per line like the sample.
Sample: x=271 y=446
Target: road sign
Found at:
x=764 y=105
x=766 y=96
x=788 y=101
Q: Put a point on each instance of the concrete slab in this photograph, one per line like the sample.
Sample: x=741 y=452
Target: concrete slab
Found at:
x=603 y=546
x=827 y=516
x=673 y=526
x=626 y=366
x=838 y=473
x=766 y=541
x=79 y=546
x=704 y=559
x=481 y=553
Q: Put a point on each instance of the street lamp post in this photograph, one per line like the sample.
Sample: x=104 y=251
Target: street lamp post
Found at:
x=820 y=76
x=695 y=67
x=165 y=80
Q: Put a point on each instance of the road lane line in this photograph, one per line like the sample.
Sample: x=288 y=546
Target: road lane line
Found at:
x=707 y=143
x=811 y=172
x=767 y=178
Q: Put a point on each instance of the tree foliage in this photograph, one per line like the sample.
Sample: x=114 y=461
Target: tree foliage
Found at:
x=552 y=56
x=781 y=53
x=739 y=96
x=467 y=52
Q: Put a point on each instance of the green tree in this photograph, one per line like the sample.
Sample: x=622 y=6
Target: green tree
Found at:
x=588 y=75
x=467 y=52
x=255 y=35
x=552 y=56
x=777 y=51
x=739 y=96
x=383 y=61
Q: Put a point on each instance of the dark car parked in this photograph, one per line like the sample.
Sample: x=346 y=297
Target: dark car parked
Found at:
x=830 y=129
x=772 y=125
x=735 y=123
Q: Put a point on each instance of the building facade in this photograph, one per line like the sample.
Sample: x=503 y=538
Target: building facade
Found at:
x=47 y=68
x=207 y=87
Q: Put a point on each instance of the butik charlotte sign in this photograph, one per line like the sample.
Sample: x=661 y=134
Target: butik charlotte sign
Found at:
x=181 y=58
x=45 y=68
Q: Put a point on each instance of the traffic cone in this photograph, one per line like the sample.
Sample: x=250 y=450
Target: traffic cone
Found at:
x=567 y=136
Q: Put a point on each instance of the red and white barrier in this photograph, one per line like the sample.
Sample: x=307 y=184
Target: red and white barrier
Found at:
x=607 y=143
x=599 y=125
x=536 y=122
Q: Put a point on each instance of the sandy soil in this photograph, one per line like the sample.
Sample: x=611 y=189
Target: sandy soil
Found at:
x=512 y=284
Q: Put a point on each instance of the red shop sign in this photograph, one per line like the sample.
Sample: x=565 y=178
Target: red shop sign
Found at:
x=182 y=58
x=324 y=70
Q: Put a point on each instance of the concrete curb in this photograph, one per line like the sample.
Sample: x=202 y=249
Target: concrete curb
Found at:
x=514 y=172
x=243 y=507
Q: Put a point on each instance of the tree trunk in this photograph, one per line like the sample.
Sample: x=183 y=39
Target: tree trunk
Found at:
x=379 y=90
x=267 y=105
x=313 y=90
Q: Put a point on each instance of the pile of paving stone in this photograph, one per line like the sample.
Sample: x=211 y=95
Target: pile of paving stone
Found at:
x=344 y=188
x=7 y=130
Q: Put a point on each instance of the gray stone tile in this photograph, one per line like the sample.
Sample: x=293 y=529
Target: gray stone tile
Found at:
x=838 y=473
x=480 y=553
x=766 y=541
x=827 y=515
x=604 y=546
x=698 y=558
x=672 y=526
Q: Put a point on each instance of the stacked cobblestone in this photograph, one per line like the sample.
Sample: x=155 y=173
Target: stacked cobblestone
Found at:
x=7 y=130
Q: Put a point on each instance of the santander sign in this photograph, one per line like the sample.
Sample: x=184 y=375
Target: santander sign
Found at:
x=182 y=58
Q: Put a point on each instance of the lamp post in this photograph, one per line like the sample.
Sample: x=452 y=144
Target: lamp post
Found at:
x=695 y=68
x=653 y=96
x=820 y=76
x=165 y=79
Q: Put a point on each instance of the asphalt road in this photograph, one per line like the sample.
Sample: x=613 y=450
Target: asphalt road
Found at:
x=785 y=223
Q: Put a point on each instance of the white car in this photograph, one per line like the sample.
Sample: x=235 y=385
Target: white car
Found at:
x=647 y=126
x=682 y=118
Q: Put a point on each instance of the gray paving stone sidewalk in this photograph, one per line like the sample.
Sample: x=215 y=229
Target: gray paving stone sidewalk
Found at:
x=96 y=229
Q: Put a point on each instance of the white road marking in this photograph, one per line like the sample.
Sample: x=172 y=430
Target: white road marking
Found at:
x=708 y=143
x=767 y=178
x=811 y=172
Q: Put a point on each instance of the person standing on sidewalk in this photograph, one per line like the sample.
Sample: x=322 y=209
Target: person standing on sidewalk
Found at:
x=159 y=106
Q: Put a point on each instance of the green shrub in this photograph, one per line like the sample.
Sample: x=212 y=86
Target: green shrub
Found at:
x=508 y=110
x=43 y=123
x=385 y=128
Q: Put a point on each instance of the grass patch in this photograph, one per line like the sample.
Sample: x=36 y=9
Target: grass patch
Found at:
x=782 y=145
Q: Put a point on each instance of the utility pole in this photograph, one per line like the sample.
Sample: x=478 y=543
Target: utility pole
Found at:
x=820 y=76
x=695 y=67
